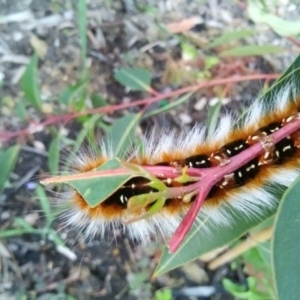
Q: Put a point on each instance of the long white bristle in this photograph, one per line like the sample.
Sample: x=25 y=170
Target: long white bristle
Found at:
x=247 y=200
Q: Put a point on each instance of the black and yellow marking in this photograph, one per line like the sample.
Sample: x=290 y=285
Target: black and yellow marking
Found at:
x=281 y=152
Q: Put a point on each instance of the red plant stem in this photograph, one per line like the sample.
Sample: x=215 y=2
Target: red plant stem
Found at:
x=156 y=171
x=213 y=175
x=294 y=41
x=33 y=127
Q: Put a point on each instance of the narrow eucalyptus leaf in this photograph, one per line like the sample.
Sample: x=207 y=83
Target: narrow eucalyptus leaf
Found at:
x=96 y=190
x=72 y=93
x=8 y=159
x=53 y=155
x=250 y=50
x=286 y=245
x=259 y=14
x=200 y=241
x=29 y=83
x=45 y=204
x=168 y=107
x=228 y=37
x=213 y=117
x=134 y=78
x=121 y=134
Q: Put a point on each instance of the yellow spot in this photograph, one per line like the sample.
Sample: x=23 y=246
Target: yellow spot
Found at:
x=87 y=192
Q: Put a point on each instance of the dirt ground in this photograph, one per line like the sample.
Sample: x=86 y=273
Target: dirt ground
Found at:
x=120 y=33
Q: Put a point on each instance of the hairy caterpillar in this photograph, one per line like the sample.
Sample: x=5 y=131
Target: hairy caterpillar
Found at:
x=264 y=149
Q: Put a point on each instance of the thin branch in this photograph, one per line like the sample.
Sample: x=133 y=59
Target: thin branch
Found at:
x=54 y=119
x=241 y=248
x=294 y=41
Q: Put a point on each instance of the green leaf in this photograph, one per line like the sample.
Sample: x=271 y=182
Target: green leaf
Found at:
x=234 y=289
x=168 y=107
x=211 y=61
x=96 y=190
x=240 y=291
x=213 y=117
x=265 y=252
x=251 y=50
x=45 y=204
x=188 y=51
x=259 y=263
x=258 y=14
x=228 y=37
x=165 y=294
x=120 y=135
x=198 y=241
x=8 y=159
x=98 y=101
x=21 y=111
x=135 y=78
x=15 y=232
x=88 y=127
x=286 y=245
x=23 y=223
x=53 y=155
x=72 y=93
x=29 y=83
x=291 y=75
x=264 y=248
x=56 y=238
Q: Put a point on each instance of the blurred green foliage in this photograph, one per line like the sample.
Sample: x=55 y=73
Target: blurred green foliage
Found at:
x=121 y=135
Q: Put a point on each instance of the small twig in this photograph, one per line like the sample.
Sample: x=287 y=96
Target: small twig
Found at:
x=122 y=293
x=241 y=248
x=209 y=256
x=26 y=177
x=52 y=286
x=53 y=119
x=129 y=251
x=294 y=41
x=156 y=171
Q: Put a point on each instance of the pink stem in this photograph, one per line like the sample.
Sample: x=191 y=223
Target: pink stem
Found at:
x=213 y=175
x=6 y=135
x=156 y=171
x=187 y=221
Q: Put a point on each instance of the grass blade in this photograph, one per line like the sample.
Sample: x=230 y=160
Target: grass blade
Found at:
x=120 y=136
x=8 y=159
x=136 y=79
x=168 y=107
x=45 y=205
x=251 y=50
x=228 y=37
x=213 y=117
x=53 y=155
